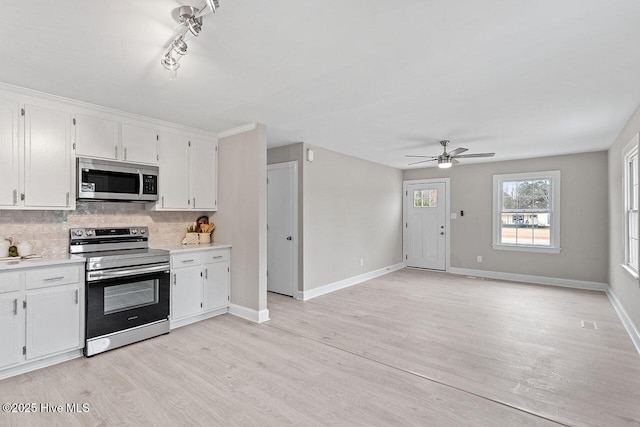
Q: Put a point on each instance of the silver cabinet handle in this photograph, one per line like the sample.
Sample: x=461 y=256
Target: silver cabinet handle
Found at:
x=77 y=296
x=51 y=279
x=67 y=199
x=116 y=151
x=218 y=257
x=187 y=260
x=206 y=273
x=174 y=279
x=194 y=202
x=125 y=153
x=15 y=197
x=163 y=201
x=15 y=307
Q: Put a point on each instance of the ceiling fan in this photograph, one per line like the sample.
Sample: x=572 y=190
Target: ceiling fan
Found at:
x=446 y=160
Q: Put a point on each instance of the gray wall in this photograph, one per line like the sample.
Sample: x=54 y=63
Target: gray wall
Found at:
x=583 y=226
x=625 y=287
x=242 y=214
x=350 y=209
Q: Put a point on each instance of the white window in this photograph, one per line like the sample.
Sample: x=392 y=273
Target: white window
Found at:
x=630 y=154
x=526 y=212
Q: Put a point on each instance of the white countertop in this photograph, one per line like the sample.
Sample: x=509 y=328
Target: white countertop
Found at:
x=18 y=263
x=188 y=248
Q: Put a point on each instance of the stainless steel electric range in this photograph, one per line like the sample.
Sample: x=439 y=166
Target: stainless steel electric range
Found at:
x=127 y=286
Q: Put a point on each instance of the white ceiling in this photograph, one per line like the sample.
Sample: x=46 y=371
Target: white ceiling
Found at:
x=370 y=78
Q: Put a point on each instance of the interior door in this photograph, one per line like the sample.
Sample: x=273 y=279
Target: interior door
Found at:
x=425 y=238
x=281 y=213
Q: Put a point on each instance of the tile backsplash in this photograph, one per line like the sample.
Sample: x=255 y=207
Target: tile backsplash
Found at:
x=48 y=231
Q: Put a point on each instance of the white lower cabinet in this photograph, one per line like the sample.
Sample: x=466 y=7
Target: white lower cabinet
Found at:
x=53 y=321
x=41 y=313
x=200 y=284
x=11 y=329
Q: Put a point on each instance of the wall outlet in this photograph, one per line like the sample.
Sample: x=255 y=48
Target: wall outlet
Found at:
x=361 y=262
x=479 y=258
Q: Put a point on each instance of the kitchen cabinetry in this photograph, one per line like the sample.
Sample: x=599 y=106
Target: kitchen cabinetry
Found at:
x=36 y=163
x=139 y=144
x=188 y=173
x=200 y=284
x=9 y=183
x=108 y=139
x=41 y=314
x=97 y=137
x=47 y=159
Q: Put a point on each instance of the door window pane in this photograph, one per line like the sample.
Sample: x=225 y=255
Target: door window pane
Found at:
x=425 y=199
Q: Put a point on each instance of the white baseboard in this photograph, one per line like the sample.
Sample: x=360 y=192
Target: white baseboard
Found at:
x=332 y=287
x=626 y=320
x=526 y=278
x=38 y=364
x=249 y=313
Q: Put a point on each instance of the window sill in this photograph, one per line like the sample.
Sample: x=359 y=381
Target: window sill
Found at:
x=630 y=271
x=523 y=248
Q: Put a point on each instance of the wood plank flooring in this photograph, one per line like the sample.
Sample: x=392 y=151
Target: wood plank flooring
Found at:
x=518 y=344
x=409 y=348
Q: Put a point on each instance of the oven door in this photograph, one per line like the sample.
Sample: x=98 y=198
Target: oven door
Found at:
x=126 y=301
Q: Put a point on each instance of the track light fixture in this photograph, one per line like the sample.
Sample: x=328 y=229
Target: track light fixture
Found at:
x=191 y=18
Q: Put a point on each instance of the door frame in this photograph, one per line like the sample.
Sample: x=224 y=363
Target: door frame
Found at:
x=297 y=294
x=447 y=213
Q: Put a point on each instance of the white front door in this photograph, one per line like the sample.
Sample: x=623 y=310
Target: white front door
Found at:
x=282 y=211
x=425 y=228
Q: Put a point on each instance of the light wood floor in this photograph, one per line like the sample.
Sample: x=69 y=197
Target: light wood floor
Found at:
x=409 y=348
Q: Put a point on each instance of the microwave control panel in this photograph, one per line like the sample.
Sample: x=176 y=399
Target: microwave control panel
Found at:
x=149 y=184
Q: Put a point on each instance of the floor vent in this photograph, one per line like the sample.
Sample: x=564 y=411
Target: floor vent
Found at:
x=588 y=325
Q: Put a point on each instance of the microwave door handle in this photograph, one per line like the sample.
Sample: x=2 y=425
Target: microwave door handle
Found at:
x=140 y=185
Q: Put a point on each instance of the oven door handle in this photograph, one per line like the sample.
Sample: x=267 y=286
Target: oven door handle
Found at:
x=108 y=274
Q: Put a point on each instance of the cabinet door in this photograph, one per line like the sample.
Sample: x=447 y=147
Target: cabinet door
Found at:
x=47 y=158
x=53 y=321
x=174 y=172
x=96 y=137
x=203 y=174
x=186 y=292
x=216 y=285
x=9 y=149
x=139 y=144
x=11 y=329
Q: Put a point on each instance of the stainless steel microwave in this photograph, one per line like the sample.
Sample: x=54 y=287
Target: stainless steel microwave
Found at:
x=117 y=181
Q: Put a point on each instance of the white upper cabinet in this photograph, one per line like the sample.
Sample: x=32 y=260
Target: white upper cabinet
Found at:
x=174 y=171
x=97 y=137
x=10 y=182
x=139 y=144
x=47 y=158
x=203 y=174
x=188 y=172
x=104 y=138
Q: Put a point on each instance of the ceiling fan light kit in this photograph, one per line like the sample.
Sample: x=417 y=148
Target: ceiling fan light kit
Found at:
x=446 y=160
x=191 y=19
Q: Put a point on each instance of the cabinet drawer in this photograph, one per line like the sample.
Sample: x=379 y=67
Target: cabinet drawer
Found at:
x=52 y=277
x=9 y=282
x=216 y=256
x=185 y=260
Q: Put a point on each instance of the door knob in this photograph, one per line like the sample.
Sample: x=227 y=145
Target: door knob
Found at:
x=289 y=238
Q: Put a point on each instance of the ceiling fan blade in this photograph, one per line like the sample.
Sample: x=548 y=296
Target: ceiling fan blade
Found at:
x=422 y=161
x=457 y=151
x=468 y=156
x=411 y=155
